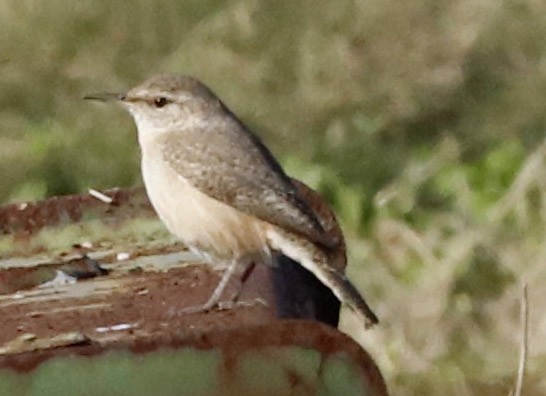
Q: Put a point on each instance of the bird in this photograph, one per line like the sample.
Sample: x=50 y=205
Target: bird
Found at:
x=292 y=302
x=218 y=188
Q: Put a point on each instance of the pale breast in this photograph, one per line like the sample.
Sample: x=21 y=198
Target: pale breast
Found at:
x=201 y=222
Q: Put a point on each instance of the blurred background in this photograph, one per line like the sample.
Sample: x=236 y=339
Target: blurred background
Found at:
x=422 y=122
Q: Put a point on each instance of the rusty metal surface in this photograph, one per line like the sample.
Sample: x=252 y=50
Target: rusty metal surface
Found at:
x=276 y=358
x=146 y=277
x=40 y=239
x=61 y=226
x=125 y=282
x=31 y=217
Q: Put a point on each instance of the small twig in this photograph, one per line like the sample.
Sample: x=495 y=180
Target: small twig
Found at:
x=526 y=178
x=524 y=319
x=100 y=196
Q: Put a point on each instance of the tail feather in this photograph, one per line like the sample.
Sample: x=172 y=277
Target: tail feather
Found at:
x=347 y=293
x=316 y=261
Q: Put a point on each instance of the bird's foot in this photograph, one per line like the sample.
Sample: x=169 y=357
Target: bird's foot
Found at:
x=214 y=301
x=195 y=309
x=227 y=305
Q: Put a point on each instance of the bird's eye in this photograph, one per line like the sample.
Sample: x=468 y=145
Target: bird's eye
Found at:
x=160 y=102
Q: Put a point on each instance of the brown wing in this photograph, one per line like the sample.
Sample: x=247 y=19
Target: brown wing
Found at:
x=225 y=161
x=327 y=218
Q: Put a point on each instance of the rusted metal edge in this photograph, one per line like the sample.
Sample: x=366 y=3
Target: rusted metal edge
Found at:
x=31 y=217
x=231 y=341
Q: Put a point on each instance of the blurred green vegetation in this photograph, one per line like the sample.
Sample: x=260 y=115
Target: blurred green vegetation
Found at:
x=422 y=122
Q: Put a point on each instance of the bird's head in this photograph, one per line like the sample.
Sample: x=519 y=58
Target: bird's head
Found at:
x=165 y=102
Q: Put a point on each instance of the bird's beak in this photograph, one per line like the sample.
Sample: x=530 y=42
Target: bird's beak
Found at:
x=105 y=96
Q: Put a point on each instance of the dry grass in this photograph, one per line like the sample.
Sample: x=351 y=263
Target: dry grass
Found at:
x=450 y=284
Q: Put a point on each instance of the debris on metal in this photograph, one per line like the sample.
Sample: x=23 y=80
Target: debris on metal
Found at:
x=92 y=283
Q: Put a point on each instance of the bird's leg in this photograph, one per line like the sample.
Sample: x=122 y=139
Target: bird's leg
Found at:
x=245 y=274
x=219 y=290
x=246 y=266
x=233 y=301
x=217 y=293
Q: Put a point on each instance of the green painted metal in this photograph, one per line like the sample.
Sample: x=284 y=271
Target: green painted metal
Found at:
x=188 y=371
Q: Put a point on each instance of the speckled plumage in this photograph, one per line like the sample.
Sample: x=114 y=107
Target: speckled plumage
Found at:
x=234 y=167
x=219 y=189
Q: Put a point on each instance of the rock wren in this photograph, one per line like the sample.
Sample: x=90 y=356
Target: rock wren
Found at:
x=220 y=190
